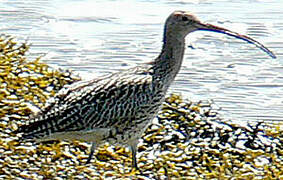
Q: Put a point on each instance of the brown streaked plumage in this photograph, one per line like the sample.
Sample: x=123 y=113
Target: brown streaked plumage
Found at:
x=118 y=108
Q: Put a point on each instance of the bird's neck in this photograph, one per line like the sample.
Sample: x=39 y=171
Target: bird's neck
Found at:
x=168 y=63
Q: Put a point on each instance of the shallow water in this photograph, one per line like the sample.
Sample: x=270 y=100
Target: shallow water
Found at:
x=99 y=37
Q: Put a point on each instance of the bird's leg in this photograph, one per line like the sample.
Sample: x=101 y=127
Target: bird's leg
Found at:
x=134 y=155
x=93 y=146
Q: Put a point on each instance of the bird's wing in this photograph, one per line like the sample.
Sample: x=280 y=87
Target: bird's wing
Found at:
x=98 y=103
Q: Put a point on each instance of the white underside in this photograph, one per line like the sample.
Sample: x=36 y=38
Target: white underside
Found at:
x=94 y=135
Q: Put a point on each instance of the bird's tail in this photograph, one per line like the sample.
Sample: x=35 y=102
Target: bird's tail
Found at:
x=32 y=131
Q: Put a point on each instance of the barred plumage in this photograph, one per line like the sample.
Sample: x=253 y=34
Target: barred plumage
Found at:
x=124 y=97
x=118 y=107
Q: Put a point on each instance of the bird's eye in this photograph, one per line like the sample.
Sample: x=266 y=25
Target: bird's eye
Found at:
x=184 y=18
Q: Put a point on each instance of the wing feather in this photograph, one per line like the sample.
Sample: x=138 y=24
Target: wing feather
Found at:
x=99 y=103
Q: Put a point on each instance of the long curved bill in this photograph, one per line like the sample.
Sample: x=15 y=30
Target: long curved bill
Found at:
x=210 y=27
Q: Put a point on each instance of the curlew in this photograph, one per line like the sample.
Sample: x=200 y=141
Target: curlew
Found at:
x=117 y=108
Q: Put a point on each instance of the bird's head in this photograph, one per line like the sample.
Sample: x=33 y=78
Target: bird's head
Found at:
x=180 y=23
